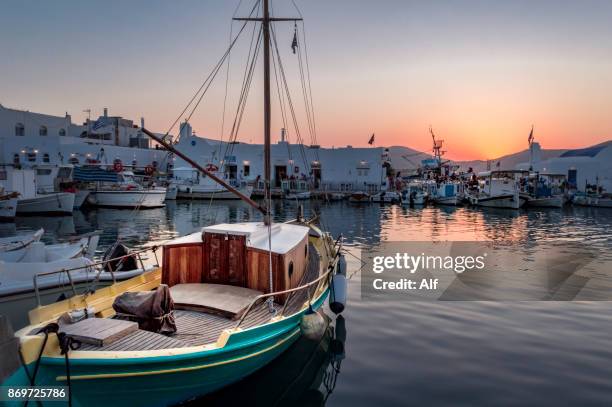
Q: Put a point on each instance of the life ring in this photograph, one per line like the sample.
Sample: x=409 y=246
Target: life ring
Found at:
x=118 y=166
x=212 y=168
x=149 y=170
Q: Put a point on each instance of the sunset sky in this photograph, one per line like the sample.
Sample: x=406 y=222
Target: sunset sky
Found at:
x=480 y=72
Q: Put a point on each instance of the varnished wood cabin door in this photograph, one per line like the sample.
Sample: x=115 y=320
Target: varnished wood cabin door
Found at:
x=225 y=259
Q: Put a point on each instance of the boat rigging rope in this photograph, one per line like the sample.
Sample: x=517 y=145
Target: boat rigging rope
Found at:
x=206 y=84
x=290 y=102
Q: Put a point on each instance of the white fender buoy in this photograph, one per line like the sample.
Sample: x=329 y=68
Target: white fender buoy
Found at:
x=313 y=325
x=337 y=297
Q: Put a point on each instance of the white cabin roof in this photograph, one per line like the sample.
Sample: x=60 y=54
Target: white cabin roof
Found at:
x=284 y=236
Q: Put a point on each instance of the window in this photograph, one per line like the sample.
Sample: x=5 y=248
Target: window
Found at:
x=2 y=175
x=19 y=129
x=43 y=171
x=42 y=131
x=32 y=156
x=290 y=269
x=246 y=170
x=16 y=159
x=46 y=157
x=73 y=160
x=62 y=132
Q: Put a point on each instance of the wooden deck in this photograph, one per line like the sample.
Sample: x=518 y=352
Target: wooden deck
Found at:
x=200 y=328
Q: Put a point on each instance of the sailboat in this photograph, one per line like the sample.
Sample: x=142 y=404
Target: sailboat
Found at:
x=231 y=298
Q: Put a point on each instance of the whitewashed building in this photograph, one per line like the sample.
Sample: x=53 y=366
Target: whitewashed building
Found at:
x=332 y=169
x=28 y=139
x=591 y=165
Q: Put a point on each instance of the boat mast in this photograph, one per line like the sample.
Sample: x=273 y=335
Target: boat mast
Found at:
x=266 y=21
x=267 y=108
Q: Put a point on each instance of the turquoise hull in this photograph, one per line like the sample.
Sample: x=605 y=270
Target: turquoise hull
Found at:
x=165 y=380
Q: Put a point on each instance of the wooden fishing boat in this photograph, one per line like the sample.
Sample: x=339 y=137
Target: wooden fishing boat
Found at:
x=228 y=299
x=225 y=329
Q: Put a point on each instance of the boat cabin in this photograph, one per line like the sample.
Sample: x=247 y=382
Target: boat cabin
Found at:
x=237 y=255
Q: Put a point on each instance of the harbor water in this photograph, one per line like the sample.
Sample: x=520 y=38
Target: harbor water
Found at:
x=410 y=353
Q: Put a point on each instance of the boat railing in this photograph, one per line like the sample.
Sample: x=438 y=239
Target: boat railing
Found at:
x=100 y=265
x=317 y=281
x=277 y=293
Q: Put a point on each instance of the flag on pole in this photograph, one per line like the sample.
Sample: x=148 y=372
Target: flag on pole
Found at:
x=98 y=124
x=530 y=138
x=294 y=43
x=371 y=141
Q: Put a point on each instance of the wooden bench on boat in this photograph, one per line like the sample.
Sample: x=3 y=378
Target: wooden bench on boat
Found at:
x=226 y=300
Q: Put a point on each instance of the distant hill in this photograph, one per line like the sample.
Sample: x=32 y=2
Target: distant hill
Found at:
x=510 y=161
x=404 y=158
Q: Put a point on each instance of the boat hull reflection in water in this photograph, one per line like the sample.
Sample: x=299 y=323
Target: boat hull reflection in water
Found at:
x=305 y=375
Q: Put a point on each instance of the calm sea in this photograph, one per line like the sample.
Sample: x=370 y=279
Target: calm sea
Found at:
x=411 y=353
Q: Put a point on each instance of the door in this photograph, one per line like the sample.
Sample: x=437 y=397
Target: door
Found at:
x=280 y=173
x=572 y=178
x=225 y=259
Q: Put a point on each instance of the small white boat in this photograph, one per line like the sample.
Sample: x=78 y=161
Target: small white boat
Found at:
x=547 y=202
x=544 y=190
x=386 y=197
x=57 y=203
x=298 y=196
x=19 y=292
x=497 y=190
x=127 y=193
x=8 y=206
x=13 y=247
x=414 y=194
x=33 y=250
x=592 y=200
x=193 y=185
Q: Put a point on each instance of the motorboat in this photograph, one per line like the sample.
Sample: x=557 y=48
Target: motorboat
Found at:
x=33 y=200
x=414 y=194
x=544 y=190
x=496 y=189
x=359 y=197
x=298 y=196
x=449 y=193
x=14 y=247
x=8 y=205
x=39 y=252
x=192 y=184
x=126 y=193
x=386 y=197
x=29 y=284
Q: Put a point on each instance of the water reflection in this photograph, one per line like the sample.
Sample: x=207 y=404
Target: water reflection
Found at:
x=305 y=375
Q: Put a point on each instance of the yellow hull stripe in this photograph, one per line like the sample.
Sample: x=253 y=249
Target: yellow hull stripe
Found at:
x=176 y=370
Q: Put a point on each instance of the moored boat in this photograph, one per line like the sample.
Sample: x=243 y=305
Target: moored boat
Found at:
x=8 y=206
x=229 y=299
x=386 y=197
x=298 y=196
x=127 y=193
x=496 y=189
x=414 y=194
x=359 y=197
